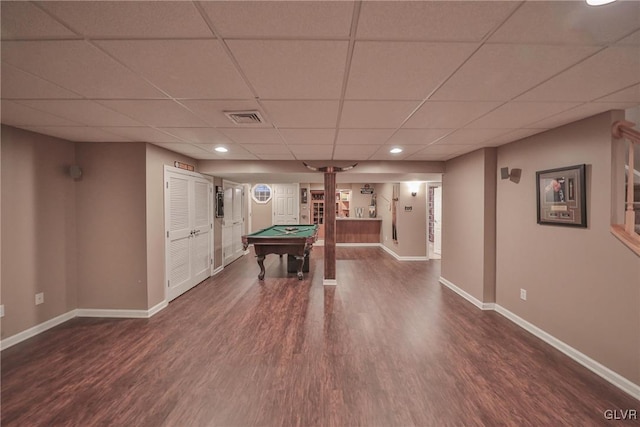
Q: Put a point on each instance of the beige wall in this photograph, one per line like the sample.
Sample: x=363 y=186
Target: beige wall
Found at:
x=582 y=284
x=38 y=229
x=111 y=206
x=156 y=159
x=261 y=213
x=411 y=225
x=468 y=223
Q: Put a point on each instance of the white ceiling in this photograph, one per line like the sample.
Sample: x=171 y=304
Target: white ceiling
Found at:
x=336 y=81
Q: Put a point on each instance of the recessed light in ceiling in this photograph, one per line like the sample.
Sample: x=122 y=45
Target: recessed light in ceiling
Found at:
x=221 y=149
x=599 y=2
x=395 y=150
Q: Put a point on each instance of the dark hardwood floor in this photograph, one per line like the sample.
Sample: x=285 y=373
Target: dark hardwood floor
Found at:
x=389 y=346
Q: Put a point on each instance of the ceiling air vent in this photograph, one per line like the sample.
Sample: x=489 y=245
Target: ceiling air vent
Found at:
x=245 y=117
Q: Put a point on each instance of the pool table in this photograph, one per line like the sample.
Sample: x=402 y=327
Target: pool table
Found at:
x=292 y=239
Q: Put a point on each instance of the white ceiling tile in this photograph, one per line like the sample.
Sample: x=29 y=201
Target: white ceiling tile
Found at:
x=514 y=135
x=79 y=67
x=437 y=151
x=312 y=152
x=16 y=114
x=630 y=94
x=292 y=69
x=160 y=113
x=632 y=39
x=439 y=21
x=198 y=135
x=253 y=136
x=131 y=18
x=88 y=113
x=324 y=151
x=363 y=136
x=77 y=133
x=144 y=134
x=302 y=114
x=182 y=68
x=354 y=152
x=24 y=20
x=308 y=136
x=19 y=84
x=277 y=157
x=513 y=115
x=182 y=148
x=278 y=19
x=213 y=111
x=407 y=150
x=569 y=22
x=502 y=71
x=375 y=114
x=417 y=136
x=610 y=70
x=235 y=152
x=471 y=136
x=444 y=115
x=580 y=112
x=260 y=149
x=402 y=70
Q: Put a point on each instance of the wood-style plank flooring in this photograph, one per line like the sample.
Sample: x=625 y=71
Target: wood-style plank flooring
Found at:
x=389 y=346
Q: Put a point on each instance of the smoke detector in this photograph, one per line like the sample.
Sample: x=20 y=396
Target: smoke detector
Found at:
x=251 y=117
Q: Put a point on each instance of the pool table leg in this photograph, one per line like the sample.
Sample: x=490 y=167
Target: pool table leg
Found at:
x=261 y=264
x=300 y=265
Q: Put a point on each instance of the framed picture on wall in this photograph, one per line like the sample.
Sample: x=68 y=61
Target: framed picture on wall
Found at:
x=219 y=202
x=562 y=196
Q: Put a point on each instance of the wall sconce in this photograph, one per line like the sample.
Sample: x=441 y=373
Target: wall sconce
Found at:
x=75 y=172
x=414 y=187
x=514 y=175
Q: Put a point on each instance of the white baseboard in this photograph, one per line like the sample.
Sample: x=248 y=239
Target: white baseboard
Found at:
x=38 y=329
x=218 y=270
x=355 y=245
x=80 y=312
x=614 y=378
x=464 y=294
x=403 y=258
x=329 y=282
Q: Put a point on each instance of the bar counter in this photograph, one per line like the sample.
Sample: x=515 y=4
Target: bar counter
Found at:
x=358 y=230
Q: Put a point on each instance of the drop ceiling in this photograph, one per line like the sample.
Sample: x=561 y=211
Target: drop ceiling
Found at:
x=334 y=81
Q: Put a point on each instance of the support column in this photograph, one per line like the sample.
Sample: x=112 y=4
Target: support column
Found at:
x=329 y=228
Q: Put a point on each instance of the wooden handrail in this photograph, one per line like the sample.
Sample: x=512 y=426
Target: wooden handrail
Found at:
x=627 y=233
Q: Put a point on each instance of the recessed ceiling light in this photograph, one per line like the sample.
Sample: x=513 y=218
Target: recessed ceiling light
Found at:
x=599 y=2
x=395 y=150
x=221 y=149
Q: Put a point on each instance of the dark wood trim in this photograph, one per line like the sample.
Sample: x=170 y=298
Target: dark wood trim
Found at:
x=329 y=226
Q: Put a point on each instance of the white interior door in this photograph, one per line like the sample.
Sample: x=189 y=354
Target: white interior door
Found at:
x=189 y=226
x=233 y=224
x=437 y=220
x=285 y=204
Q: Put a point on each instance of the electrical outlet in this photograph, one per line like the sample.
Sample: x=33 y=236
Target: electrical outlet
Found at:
x=2 y=310
x=40 y=298
x=523 y=294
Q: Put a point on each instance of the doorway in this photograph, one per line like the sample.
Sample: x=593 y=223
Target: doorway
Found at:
x=233 y=222
x=286 y=204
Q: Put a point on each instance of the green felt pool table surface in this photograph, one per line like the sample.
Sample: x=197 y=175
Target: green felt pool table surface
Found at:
x=295 y=230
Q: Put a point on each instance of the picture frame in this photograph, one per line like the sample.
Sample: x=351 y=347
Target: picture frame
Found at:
x=219 y=202
x=562 y=196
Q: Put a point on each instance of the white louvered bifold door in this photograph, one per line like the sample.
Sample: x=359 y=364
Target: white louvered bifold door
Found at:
x=201 y=241
x=189 y=231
